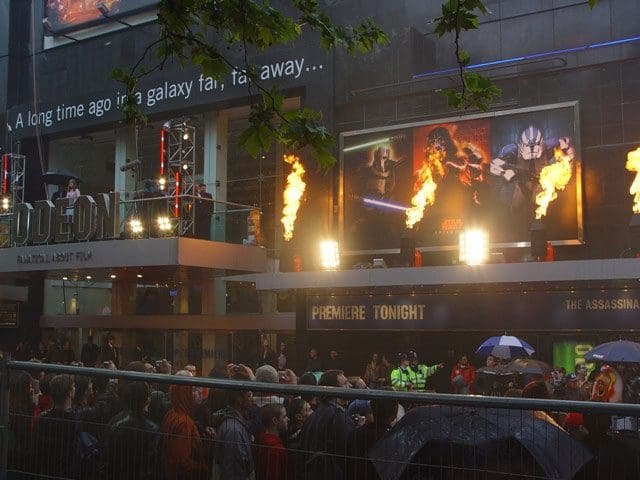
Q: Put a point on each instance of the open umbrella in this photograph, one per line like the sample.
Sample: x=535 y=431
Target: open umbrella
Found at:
x=505 y=346
x=621 y=351
x=529 y=366
x=431 y=442
x=59 y=177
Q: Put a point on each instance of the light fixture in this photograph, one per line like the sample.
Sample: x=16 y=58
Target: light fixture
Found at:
x=48 y=28
x=88 y=277
x=474 y=247
x=6 y=203
x=104 y=10
x=162 y=182
x=164 y=224
x=112 y=276
x=65 y=278
x=329 y=255
x=185 y=166
x=135 y=225
x=139 y=275
x=185 y=136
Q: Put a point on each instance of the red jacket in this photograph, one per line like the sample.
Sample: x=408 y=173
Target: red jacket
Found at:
x=272 y=457
x=468 y=373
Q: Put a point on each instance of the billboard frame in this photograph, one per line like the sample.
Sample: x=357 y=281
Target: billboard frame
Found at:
x=461 y=118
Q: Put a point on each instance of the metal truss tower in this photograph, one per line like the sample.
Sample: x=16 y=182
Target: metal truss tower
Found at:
x=12 y=190
x=180 y=143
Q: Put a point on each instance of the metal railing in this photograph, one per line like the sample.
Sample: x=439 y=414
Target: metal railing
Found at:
x=440 y=436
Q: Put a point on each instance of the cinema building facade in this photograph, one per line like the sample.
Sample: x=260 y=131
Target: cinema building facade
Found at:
x=141 y=255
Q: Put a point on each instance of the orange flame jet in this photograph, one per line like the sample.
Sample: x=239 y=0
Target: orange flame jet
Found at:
x=633 y=165
x=553 y=177
x=425 y=186
x=292 y=195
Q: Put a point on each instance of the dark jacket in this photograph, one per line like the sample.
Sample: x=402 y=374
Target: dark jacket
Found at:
x=233 y=450
x=327 y=432
x=132 y=448
x=54 y=434
x=89 y=354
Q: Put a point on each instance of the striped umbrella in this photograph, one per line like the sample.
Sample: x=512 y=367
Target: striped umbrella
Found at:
x=505 y=346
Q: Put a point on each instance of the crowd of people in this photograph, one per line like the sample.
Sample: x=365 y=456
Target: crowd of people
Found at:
x=96 y=428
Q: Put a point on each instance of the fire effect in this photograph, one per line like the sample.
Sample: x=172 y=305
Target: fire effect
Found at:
x=553 y=177
x=292 y=195
x=425 y=186
x=633 y=165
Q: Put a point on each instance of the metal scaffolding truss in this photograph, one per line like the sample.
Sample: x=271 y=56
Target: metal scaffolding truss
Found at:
x=12 y=190
x=181 y=167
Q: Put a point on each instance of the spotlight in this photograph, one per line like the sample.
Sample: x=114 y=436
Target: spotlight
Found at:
x=65 y=278
x=6 y=203
x=139 y=275
x=164 y=224
x=135 y=225
x=474 y=247
x=185 y=167
x=329 y=255
x=162 y=182
x=185 y=136
x=112 y=276
x=88 y=277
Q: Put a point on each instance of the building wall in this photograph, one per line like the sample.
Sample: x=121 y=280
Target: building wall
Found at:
x=378 y=89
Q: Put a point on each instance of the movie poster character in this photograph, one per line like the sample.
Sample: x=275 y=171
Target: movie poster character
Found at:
x=377 y=177
x=522 y=145
x=462 y=194
x=64 y=15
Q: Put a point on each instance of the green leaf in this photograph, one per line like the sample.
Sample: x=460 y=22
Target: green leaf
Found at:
x=592 y=3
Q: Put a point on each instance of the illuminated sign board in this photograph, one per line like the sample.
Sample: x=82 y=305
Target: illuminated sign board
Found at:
x=83 y=220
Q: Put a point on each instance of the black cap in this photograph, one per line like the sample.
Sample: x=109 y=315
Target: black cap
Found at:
x=402 y=356
x=412 y=355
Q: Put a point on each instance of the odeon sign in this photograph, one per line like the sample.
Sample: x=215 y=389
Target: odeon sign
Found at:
x=47 y=222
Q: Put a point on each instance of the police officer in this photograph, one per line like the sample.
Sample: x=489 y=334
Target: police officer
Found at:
x=401 y=376
x=418 y=373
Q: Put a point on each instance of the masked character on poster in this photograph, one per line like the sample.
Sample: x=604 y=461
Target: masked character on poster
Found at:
x=608 y=386
x=379 y=176
x=462 y=159
x=519 y=164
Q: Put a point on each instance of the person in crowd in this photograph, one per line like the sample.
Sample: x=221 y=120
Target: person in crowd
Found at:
x=21 y=408
x=45 y=401
x=327 y=433
x=267 y=355
x=370 y=376
x=462 y=375
x=73 y=192
x=132 y=442
x=68 y=355
x=357 y=383
x=309 y=379
x=384 y=413
x=89 y=353
x=384 y=372
x=55 y=432
x=109 y=351
x=419 y=372
x=233 y=456
x=334 y=362
x=539 y=389
x=401 y=376
x=271 y=454
x=360 y=412
x=182 y=451
x=204 y=210
x=84 y=392
x=298 y=411
x=581 y=373
x=266 y=374
x=314 y=364
x=282 y=356
x=140 y=353
x=42 y=352
x=22 y=351
x=60 y=193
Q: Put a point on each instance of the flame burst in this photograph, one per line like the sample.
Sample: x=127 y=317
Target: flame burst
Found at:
x=553 y=177
x=633 y=165
x=425 y=186
x=292 y=195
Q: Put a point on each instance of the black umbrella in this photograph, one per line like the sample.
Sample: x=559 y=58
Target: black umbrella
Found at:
x=529 y=365
x=432 y=441
x=60 y=177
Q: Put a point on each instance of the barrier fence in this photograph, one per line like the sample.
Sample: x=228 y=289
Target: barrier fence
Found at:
x=149 y=425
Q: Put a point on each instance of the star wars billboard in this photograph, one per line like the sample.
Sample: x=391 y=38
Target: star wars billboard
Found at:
x=496 y=171
x=71 y=15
